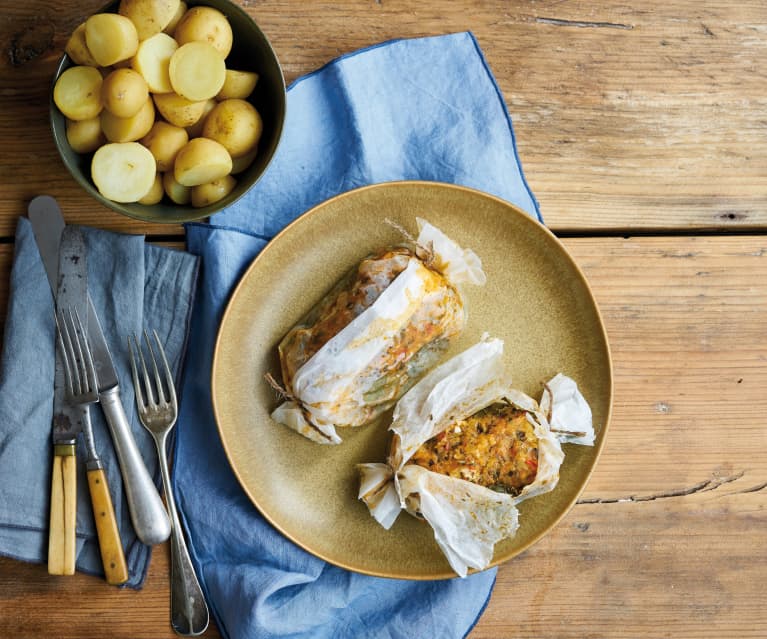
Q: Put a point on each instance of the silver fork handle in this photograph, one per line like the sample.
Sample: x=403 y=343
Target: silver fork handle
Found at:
x=188 y=610
x=150 y=521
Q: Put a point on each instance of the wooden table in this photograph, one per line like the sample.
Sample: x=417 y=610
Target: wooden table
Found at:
x=643 y=132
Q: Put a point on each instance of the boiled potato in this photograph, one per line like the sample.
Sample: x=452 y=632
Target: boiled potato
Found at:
x=236 y=125
x=122 y=64
x=149 y=16
x=152 y=61
x=195 y=131
x=204 y=194
x=205 y=24
x=244 y=161
x=155 y=193
x=178 y=110
x=128 y=129
x=165 y=141
x=77 y=93
x=124 y=92
x=175 y=191
x=77 y=49
x=197 y=71
x=123 y=172
x=238 y=84
x=110 y=38
x=201 y=160
x=85 y=136
x=171 y=27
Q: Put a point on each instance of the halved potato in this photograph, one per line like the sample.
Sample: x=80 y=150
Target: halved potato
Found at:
x=176 y=192
x=124 y=92
x=165 y=141
x=77 y=92
x=85 y=136
x=110 y=38
x=152 y=61
x=210 y=192
x=155 y=193
x=77 y=49
x=171 y=27
x=149 y=16
x=244 y=161
x=201 y=160
x=197 y=71
x=238 y=84
x=128 y=129
x=195 y=131
x=205 y=24
x=123 y=172
x=236 y=124
x=178 y=110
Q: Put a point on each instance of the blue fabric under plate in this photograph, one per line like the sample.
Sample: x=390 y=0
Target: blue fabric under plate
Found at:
x=426 y=109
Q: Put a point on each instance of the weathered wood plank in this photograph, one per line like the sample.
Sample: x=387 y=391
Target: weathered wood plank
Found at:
x=668 y=538
x=628 y=116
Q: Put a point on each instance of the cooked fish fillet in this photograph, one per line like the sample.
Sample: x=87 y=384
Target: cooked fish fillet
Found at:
x=496 y=448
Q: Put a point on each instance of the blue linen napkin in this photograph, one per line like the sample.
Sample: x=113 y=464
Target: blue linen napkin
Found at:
x=426 y=109
x=130 y=283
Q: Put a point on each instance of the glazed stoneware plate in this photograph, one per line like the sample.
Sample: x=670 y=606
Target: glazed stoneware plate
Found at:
x=536 y=299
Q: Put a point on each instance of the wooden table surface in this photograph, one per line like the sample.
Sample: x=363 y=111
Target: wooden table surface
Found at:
x=642 y=129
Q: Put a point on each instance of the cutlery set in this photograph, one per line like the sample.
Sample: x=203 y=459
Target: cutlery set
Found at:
x=85 y=375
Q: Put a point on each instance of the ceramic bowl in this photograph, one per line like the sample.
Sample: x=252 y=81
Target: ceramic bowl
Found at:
x=251 y=51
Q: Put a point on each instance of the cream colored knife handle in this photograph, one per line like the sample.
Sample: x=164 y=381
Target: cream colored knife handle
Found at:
x=150 y=521
x=61 y=537
x=110 y=545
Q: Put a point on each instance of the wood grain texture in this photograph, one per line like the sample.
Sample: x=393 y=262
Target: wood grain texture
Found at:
x=628 y=116
x=667 y=539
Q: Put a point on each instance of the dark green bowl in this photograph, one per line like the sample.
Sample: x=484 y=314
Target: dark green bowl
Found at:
x=252 y=52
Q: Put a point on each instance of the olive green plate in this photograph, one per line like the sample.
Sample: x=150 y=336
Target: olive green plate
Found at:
x=536 y=300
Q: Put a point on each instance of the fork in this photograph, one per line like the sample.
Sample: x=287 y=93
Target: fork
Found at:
x=81 y=390
x=158 y=413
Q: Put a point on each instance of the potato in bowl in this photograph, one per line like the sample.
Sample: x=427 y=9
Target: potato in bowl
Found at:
x=141 y=98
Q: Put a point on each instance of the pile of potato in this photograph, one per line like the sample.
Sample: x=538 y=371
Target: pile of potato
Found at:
x=152 y=99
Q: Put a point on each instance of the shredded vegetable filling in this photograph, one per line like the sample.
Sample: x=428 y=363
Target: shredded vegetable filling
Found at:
x=496 y=448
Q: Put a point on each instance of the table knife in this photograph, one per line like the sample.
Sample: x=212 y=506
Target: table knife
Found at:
x=148 y=515
x=72 y=290
x=73 y=262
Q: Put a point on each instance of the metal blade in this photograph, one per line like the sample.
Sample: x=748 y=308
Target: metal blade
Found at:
x=48 y=225
x=72 y=293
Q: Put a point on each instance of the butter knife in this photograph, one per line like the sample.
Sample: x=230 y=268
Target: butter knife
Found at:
x=148 y=515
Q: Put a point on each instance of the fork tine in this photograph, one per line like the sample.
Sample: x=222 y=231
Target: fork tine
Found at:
x=150 y=396
x=63 y=351
x=89 y=372
x=158 y=381
x=166 y=369
x=77 y=349
x=134 y=370
x=71 y=374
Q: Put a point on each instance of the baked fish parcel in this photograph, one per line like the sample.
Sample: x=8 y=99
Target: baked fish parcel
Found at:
x=467 y=448
x=386 y=323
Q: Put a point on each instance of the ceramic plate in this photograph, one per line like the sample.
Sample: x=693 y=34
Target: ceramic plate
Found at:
x=536 y=299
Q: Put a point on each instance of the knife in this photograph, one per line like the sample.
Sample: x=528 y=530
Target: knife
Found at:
x=72 y=290
x=150 y=521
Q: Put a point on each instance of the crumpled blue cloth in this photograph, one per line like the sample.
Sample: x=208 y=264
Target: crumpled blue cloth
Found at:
x=132 y=284
x=424 y=109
